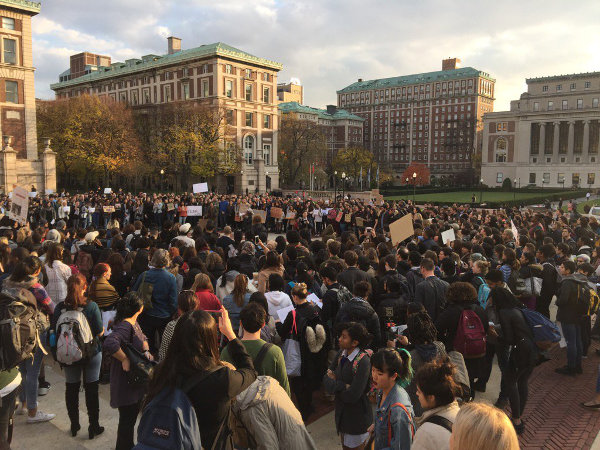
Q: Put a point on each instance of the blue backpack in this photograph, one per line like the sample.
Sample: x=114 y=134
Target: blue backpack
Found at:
x=169 y=421
x=545 y=333
x=483 y=293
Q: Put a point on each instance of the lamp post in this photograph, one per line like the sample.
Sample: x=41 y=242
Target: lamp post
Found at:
x=266 y=178
x=515 y=190
x=162 y=172
x=414 y=185
x=335 y=185
x=343 y=185
x=481 y=191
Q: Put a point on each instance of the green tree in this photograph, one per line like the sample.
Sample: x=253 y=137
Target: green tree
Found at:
x=351 y=160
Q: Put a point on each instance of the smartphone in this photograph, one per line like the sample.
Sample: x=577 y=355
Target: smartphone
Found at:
x=215 y=314
x=256 y=240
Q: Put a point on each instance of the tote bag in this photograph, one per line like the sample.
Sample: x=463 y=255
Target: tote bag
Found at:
x=291 y=351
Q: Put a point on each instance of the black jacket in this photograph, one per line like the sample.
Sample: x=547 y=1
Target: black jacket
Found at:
x=391 y=308
x=550 y=282
x=432 y=294
x=358 y=310
x=447 y=322
x=566 y=300
x=351 y=276
x=413 y=278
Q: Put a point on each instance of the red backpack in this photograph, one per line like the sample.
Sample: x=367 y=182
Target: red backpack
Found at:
x=470 y=335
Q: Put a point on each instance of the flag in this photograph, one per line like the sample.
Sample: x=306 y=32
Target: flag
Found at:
x=377 y=175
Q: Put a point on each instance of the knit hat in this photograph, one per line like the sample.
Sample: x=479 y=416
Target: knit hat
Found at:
x=53 y=236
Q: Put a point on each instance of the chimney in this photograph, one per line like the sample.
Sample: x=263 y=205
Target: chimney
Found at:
x=450 y=64
x=174 y=45
x=331 y=109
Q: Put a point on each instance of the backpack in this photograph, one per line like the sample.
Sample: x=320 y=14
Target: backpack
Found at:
x=313 y=335
x=20 y=327
x=74 y=340
x=145 y=291
x=343 y=294
x=389 y=422
x=582 y=300
x=483 y=293
x=170 y=421
x=356 y=360
x=470 y=335
x=84 y=262
x=529 y=286
x=594 y=302
x=545 y=332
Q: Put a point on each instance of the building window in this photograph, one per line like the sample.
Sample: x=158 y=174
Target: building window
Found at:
x=501 y=126
x=573 y=86
x=546 y=178
x=229 y=88
x=228 y=68
x=565 y=104
x=559 y=87
x=10 y=51
x=186 y=91
x=248 y=92
x=184 y=72
x=575 y=179
x=12 y=91
x=532 y=178
x=499 y=177
x=591 y=178
x=8 y=23
x=560 y=178
x=266 y=95
x=536 y=106
x=579 y=103
x=205 y=68
x=266 y=76
x=550 y=106
x=267 y=154
x=500 y=150
x=266 y=121
x=146 y=95
x=248 y=73
x=229 y=116
x=205 y=87
x=134 y=97
x=544 y=88
x=248 y=119
x=167 y=93
x=594 y=102
x=249 y=148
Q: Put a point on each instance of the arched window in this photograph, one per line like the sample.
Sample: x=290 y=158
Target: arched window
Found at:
x=249 y=148
x=500 y=150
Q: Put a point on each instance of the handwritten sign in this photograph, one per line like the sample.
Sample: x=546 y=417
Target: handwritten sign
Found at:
x=448 y=236
x=194 y=210
x=276 y=213
x=109 y=209
x=200 y=187
x=19 y=206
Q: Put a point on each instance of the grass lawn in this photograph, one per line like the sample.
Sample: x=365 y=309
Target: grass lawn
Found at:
x=465 y=196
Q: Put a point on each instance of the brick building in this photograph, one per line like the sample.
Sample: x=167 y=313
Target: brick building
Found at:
x=242 y=85
x=20 y=163
x=549 y=138
x=341 y=129
x=434 y=118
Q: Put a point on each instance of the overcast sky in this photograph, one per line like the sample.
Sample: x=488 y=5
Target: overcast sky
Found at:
x=328 y=44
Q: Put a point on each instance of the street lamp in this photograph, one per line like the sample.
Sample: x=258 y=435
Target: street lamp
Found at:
x=481 y=191
x=414 y=185
x=266 y=178
x=343 y=185
x=162 y=172
x=514 y=189
x=334 y=185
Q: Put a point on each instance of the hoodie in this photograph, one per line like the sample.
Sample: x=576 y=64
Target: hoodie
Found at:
x=566 y=300
x=222 y=291
x=277 y=300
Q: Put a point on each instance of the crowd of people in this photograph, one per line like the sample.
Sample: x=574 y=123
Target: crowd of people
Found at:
x=239 y=328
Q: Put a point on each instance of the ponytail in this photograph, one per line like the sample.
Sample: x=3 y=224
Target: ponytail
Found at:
x=394 y=361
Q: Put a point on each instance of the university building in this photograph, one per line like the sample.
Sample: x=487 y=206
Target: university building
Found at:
x=20 y=163
x=434 y=118
x=290 y=92
x=242 y=85
x=549 y=138
x=340 y=128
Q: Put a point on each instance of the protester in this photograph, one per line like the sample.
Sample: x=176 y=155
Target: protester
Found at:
x=238 y=298
x=101 y=291
x=57 y=273
x=186 y=302
x=206 y=299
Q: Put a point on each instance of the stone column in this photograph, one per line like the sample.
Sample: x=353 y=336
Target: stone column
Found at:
x=9 y=165
x=555 y=142
x=542 y=143
x=259 y=165
x=586 y=141
x=571 y=142
x=49 y=165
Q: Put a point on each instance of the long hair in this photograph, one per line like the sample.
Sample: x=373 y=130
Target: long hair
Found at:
x=478 y=425
x=193 y=348
x=76 y=285
x=54 y=253
x=392 y=362
x=202 y=281
x=99 y=270
x=240 y=286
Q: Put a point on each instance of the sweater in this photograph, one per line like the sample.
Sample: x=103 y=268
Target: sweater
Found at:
x=103 y=293
x=430 y=436
x=272 y=365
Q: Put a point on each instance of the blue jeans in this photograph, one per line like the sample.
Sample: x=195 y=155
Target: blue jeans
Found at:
x=572 y=332
x=91 y=371
x=30 y=371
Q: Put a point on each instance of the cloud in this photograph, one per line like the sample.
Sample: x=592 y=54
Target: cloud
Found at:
x=328 y=44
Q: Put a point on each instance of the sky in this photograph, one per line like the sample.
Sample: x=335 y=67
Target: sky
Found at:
x=329 y=44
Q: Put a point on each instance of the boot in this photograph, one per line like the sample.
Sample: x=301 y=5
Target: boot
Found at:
x=72 y=401
x=92 y=402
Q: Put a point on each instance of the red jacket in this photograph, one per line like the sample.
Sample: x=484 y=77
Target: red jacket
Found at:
x=207 y=301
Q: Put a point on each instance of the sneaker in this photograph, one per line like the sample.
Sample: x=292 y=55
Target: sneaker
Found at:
x=43 y=388
x=40 y=417
x=479 y=386
x=501 y=403
x=566 y=370
x=20 y=411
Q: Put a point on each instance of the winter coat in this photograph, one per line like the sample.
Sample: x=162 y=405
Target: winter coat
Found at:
x=270 y=416
x=430 y=436
x=222 y=291
x=566 y=298
x=277 y=300
x=263 y=277
x=351 y=276
x=432 y=294
x=359 y=310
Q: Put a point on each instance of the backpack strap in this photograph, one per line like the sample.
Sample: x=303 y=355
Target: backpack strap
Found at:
x=389 y=424
x=261 y=355
x=187 y=385
x=441 y=421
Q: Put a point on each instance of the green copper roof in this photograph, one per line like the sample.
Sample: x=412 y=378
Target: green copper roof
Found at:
x=295 y=107
x=571 y=76
x=428 y=77
x=25 y=5
x=217 y=49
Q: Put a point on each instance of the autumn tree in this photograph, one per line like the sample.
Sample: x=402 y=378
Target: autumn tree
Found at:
x=94 y=138
x=301 y=143
x=422 y=171
x=352 y=161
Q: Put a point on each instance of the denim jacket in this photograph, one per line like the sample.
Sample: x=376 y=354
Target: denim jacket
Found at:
x=401 y=425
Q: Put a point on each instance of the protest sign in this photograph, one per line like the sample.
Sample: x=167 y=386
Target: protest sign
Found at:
x=448 y=236
x=243 y=209
x=276 y=213
x=514 y=231
x=401 y=229
x=262 y=214
x=108 y=190
x=290 y=215
x=170 y=206
x=19 y=205
x=360 y=222
x=32 y=194
x=109 y=209
x=194 y=210
x=200 y=187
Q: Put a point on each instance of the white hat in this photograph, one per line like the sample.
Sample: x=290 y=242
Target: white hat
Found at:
x=91 y=236
x=185 y=228
x=53 y=236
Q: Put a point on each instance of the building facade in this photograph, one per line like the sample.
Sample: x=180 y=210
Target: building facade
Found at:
x=290 y=92
x=243 y=86
x=340 y=128
x=20 y=162
x=549 y=138
x=433 y=118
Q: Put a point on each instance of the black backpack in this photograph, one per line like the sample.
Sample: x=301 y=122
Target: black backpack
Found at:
x=20 y=326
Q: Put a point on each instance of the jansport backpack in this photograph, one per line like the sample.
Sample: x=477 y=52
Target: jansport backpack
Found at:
x=483 y=293
x=470 y=335
x=74 y=340
x=20 y=326
x=169 y=421
x=545 y=333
